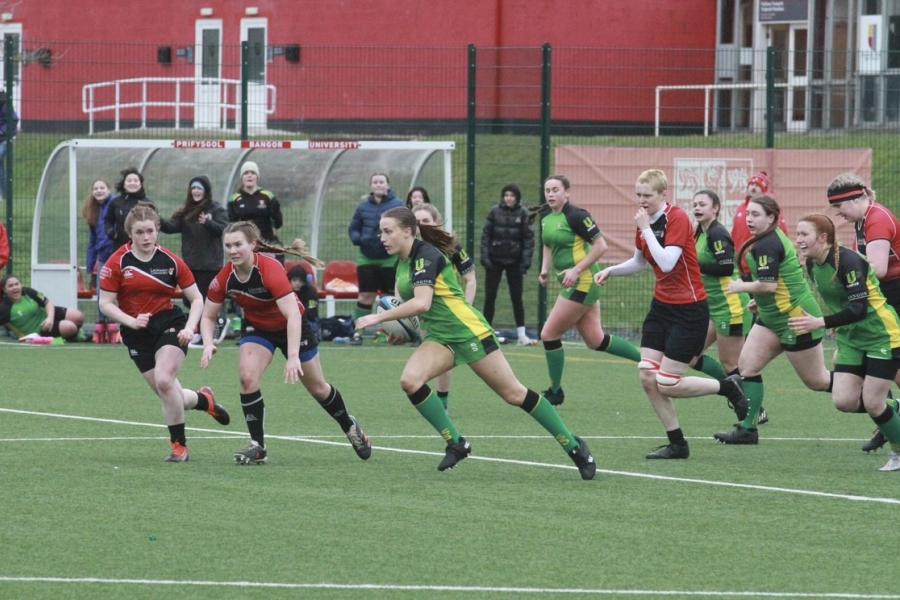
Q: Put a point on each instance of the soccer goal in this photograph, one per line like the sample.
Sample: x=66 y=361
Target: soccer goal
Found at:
x=317 y=182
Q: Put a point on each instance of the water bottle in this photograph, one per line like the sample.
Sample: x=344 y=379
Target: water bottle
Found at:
x=42 y=340
x=341 y=340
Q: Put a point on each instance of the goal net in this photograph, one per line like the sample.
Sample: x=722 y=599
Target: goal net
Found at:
x=317 y=182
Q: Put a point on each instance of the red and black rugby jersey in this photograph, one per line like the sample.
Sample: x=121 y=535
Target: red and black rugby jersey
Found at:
x=258 y=294
x=681 y=285
x=145 y=287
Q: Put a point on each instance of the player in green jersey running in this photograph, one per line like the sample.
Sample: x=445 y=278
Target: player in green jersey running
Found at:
x=729 y=319
x=456 y=333
x=867 y=327
x=572 y=246
x=427 y=214
x=780 y=292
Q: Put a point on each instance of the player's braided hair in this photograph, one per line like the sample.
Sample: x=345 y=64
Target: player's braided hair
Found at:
x=297 y=248
x=539 y=211
x=824 y=224
x=771 y=208
x=142 y=211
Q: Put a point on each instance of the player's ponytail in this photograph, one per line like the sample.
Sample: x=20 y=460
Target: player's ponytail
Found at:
x=297 y=248
x=771 y=208
x=434 y=235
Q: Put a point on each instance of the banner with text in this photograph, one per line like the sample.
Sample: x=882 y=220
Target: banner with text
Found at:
x=603 y=182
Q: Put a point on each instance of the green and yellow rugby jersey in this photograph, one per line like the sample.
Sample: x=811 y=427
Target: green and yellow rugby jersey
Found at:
x=569 y=235
x=852 y=293
x=25 y=316
x=450 y=319
x=772 y=259
x=715 y=253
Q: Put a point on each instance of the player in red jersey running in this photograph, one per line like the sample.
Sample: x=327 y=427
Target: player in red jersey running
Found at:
x=260 y=286
x=674 y=331
x=878 y=239
x=137 y=285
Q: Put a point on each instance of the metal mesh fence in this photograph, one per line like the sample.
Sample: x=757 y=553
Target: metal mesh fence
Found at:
x=717 y=121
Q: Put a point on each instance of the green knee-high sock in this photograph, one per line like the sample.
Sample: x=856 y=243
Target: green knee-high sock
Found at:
x=710 y=366
x=544 y=413
x=556 y=362
x=889 y=424
x=753 y=387
x=430 y=407
x=619 y=347
x=359 y=310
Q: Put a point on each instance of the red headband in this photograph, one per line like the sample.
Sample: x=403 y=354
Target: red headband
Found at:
x=854 y=192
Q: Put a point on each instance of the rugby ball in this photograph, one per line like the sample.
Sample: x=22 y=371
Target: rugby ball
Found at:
x=405 y=329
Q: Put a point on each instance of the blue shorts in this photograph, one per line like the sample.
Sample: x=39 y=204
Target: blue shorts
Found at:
x=278 y=339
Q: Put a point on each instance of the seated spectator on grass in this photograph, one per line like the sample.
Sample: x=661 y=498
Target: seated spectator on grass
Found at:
x=24 y=311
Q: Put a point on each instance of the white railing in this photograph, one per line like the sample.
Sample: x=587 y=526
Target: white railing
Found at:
x=228 y=100
x=707 y=88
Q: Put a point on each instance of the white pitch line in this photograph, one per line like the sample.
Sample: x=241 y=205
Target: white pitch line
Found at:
x=727 y=484
x=111 y=439
x=477 y=589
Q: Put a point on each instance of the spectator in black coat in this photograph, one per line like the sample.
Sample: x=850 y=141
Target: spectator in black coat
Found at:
x=507 y=244
x=130 y=191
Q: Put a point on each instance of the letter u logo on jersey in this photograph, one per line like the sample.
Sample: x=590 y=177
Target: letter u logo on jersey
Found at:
x=851 y=277
x=420 y=264
x=463 y=255
x=763 y=261
x=588 y=222
x=718 y=246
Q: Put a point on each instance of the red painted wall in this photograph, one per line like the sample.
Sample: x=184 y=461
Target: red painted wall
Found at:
x=387 y=59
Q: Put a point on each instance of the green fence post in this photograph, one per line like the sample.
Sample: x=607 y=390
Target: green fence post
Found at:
x=9 y=54
x=470 y=155
x=545 y=165
x=245 y=78
x=770 y=96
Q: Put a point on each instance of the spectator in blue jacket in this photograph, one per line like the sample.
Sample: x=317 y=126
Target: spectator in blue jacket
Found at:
x=9 y=125
x=374 y=266
x=99 y=246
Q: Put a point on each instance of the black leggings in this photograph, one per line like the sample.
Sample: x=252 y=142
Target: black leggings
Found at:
x=514 y=279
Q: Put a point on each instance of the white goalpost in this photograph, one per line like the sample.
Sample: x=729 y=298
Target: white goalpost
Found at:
x=318 y=183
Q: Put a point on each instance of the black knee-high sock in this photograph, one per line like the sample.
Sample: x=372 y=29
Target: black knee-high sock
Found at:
x=202 y=402
x=334 y=406
x=254 y=414
x=676 y=436
x=176 y=434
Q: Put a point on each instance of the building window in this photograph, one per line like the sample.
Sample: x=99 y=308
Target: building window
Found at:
x=869 y=99
x=893 y=39
x=892 y=98
x=726 y=23
x=871 y=7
